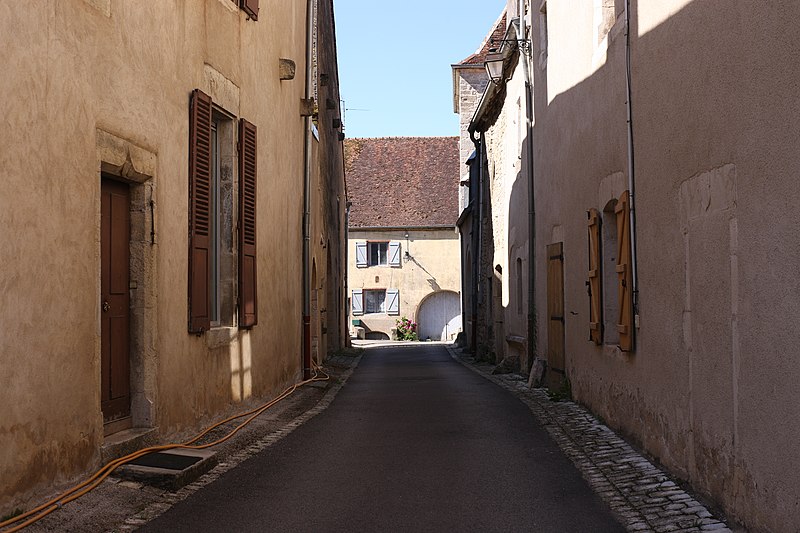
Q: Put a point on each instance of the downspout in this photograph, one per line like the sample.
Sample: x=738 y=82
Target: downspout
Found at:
x=631 y=176
x=532 y=337
x=346 y=309
x=307 y=195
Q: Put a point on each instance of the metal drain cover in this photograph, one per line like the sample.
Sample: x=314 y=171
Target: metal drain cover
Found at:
x=171 y=469
x=170 y=461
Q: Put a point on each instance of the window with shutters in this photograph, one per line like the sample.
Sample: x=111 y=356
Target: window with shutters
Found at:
x=212 y=228
x=612 y=300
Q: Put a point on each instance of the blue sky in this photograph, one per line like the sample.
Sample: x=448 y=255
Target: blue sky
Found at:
x=395 y=57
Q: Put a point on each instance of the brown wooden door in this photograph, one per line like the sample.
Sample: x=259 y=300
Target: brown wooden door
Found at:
x=115 y=300
x=555 y=315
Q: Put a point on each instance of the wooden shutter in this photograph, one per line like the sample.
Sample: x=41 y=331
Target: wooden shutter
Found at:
x=555 y=308
x=394 y=254
x=392 y=301
x=595 y=282
x=250 y=7
x=200 y=176
x=624 y=273
x=358 y=302
x=248 y=172
x=361 y=254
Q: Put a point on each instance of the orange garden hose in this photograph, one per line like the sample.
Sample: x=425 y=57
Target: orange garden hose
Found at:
x=95 y=480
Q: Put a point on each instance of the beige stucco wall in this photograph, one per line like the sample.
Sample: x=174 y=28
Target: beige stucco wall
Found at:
x=710 y=389
x=76 y=69
x=433 y=266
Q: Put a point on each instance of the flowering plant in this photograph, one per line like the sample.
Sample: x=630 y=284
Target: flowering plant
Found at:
x=406 y=329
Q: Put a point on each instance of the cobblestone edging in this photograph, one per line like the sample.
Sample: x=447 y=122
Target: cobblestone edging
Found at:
x=169 y=499
x=641 y=495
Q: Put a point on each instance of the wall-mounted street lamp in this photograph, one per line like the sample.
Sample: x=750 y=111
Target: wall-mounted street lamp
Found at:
x=495 y=59
x=494 y=66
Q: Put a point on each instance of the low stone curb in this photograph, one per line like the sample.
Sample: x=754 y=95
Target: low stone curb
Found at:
x=169 y=499
x=642 y=496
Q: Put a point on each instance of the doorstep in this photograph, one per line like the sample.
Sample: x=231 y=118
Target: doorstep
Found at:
x=126 y=442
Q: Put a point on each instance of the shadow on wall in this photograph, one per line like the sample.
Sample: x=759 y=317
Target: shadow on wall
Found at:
x=711 y=87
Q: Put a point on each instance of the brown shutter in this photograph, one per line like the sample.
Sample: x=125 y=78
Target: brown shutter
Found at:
x=251 y=8
x=555 y=308
x=199 y=211
x=248 y=302
x=594 y=284
x=624 y=273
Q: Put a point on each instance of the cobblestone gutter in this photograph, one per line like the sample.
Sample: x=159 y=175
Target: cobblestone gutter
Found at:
x=642 y=496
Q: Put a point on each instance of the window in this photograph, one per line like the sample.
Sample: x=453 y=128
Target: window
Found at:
x=377 y=253
x=608 y=261
x=374 y=301
x=367 y=301
x=214 y=210
x=212 y=229
x=610 y=281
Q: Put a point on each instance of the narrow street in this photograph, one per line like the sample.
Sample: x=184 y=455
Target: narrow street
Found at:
x=413 y=442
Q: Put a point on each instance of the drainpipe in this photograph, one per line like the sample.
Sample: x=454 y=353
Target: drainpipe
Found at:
x=631 y=180
x=346 y=309
x=531 y=333
x=307 y=196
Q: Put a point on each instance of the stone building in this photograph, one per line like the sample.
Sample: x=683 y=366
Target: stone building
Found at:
x=664 y=168
x=469 y=84
x=403 y=247
x=153 y=204
x=495 y=222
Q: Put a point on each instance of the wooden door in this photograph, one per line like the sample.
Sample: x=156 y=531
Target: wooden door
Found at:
x=115 y=300
x=555 y=315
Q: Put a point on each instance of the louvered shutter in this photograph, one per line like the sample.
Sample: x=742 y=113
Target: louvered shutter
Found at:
x=361 y=254
x=358 y=302
x=248 y=172
x=200 y=176
x=250 y=7
x=394 y=254
x=624 y=273
x=392 y=301
x=595 y=284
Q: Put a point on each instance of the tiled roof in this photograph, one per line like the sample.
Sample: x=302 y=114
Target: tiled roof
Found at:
x=493 y=40
x=402 y=181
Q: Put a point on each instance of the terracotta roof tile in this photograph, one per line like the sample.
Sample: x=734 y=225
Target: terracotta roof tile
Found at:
x=493 y=40
x=402 y=181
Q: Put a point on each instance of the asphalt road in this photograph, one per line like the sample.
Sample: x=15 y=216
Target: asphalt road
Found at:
x=413 y=442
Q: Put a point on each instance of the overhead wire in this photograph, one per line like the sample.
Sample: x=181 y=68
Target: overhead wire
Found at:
x=39 y=512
